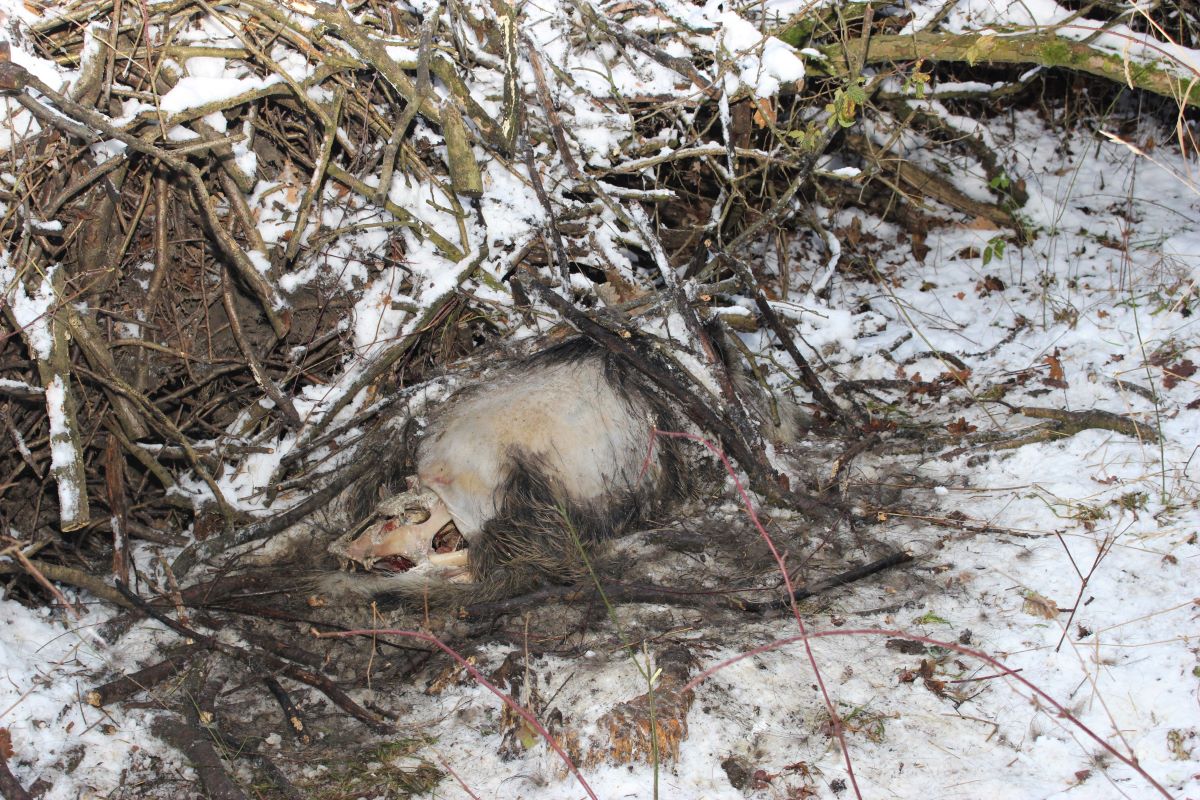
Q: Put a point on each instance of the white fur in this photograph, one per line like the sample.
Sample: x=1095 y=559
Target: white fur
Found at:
x=585 y=434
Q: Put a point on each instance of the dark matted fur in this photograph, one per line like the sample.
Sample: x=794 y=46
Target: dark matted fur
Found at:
x=539 y=536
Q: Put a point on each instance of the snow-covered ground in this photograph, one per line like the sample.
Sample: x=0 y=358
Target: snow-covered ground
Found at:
x=1072 y=562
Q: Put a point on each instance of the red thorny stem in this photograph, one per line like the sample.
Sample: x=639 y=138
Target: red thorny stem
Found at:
x=835 y=719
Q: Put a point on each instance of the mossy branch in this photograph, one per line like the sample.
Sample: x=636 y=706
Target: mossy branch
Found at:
x=1042 y=49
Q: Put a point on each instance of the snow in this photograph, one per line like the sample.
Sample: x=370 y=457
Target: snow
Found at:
x=764 y=63
x=62 y=448
x=20 y=386
x=43 y=663
x=1125 y=668
x=1184 y=249
x=32 y=314
x=195 y=91
x=1130 y=44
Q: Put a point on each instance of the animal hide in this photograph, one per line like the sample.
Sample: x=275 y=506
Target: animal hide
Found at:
x=519 y=477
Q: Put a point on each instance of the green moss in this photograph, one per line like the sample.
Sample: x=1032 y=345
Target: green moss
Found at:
x=801 y=28
x=1057 y=54
x=797 y=32
x=1189 y=91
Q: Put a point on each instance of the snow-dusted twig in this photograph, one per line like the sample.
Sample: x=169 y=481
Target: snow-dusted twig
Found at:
x=38 y=316
x=1040 y=48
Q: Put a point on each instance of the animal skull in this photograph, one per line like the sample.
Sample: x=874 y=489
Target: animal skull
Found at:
x=400 y=537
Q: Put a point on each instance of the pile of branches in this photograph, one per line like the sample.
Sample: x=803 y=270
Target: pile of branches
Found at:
x=232 y=231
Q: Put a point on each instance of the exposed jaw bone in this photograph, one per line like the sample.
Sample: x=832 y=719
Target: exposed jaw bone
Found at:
x=403 y=535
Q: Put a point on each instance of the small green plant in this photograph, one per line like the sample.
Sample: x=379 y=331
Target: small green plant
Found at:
x=846 y=102
x=1088 y=515
x=917 y=81
x=1001 y=184
x=930 y=618
x=809 y=139
x=870 y=724
x=993 y=249
x=1133 y=501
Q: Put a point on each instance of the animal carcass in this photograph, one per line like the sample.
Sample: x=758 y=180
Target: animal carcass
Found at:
x=519 y=476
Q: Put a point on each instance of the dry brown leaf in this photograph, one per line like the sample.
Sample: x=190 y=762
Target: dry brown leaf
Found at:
x=290 y=183
x=961 y=427
x=955 y=375
x=980 y=224
x=1038 y=606
x=1173 y=374
x=1057 y=376
x=1056 y=370
x=764 y=113
x=989 y=284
